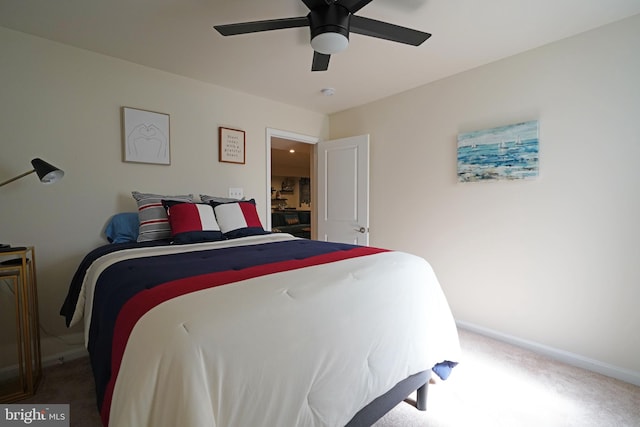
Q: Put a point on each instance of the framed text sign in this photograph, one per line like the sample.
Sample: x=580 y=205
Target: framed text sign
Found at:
x=231 y=145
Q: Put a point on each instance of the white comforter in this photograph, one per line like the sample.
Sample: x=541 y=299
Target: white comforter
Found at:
x=307 y=347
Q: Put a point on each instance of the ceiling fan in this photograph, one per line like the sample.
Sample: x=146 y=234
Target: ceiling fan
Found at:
x=330 y=22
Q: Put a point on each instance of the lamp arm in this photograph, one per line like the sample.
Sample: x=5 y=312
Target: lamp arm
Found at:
x=17 y=178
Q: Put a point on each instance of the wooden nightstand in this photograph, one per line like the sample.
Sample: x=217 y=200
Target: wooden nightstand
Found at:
x=19 y=376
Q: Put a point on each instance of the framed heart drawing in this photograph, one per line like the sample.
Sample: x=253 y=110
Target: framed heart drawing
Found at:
x=145 y=136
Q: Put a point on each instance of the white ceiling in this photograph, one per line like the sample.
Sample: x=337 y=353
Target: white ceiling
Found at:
x=178 y=36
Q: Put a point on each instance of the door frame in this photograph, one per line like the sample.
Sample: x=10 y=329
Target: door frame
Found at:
x=298 y=137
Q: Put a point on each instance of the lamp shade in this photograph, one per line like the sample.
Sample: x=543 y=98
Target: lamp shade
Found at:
x=47 y=173
x=329 y=43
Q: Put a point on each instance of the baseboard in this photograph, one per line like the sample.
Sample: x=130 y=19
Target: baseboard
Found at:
x=64 y=356
x=59 y=349
x=54 y=350
x=569 y=358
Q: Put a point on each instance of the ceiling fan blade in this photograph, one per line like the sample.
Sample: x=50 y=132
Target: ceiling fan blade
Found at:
x=353 y=5
x=384 y=30
x=257 y=26
x=320 y=62
x=316 y=4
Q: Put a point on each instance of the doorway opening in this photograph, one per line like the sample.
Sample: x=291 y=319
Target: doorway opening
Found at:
x=291 y=183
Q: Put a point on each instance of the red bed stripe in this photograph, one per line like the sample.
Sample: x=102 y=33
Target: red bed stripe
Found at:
x=144 y=301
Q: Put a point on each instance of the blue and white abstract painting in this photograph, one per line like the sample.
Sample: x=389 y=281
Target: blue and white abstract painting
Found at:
x=502 y=153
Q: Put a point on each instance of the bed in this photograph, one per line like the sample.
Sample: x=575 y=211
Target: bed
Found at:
x=260 y=330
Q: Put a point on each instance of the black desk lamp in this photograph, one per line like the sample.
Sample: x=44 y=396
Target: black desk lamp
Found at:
x=47 y=173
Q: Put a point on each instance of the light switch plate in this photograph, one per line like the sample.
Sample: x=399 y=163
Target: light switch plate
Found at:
x=236 y=192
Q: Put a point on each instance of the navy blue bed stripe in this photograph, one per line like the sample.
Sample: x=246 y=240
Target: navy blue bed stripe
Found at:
x=69 y=305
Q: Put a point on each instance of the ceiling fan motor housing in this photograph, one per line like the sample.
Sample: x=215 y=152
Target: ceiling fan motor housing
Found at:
x=333 y=19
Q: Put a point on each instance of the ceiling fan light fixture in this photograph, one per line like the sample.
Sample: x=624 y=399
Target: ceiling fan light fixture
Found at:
x=329 y=43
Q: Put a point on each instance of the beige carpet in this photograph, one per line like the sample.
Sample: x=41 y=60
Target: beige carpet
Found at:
x=496 y=385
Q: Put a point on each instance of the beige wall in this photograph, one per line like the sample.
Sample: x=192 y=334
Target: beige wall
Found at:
x=553 y=261
x=63 y=104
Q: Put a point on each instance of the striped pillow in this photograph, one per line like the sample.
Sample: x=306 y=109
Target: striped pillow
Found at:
x=238 y=219
x=154 y=222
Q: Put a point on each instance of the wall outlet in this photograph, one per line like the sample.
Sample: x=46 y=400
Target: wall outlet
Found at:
x=236 y=192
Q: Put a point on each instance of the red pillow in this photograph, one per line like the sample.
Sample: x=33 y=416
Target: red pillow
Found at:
x=192 y=222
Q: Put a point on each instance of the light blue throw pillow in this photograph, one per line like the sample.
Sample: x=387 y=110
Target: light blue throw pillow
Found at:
x=123 y=228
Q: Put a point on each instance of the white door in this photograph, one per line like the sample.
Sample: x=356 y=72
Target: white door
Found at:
x=343 y=190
